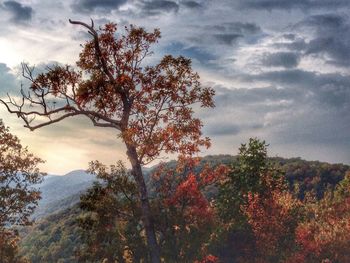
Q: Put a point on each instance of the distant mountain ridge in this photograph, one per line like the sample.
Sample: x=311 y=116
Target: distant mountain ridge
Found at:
x=61 y=192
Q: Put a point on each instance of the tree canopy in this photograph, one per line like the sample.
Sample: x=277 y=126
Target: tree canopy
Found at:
x=18 y=174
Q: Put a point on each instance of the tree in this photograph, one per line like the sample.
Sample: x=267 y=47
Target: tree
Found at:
x=183 y=213
x=185 y=216
x=273 y=220
x=323 y=235
x=251 y=175
x=18 y=198
x=111 y=218
x=151 y=106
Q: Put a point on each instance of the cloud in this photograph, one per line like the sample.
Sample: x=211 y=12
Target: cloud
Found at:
x=294 y=4
x=322 y=90
x=325 y=21
x=238 y=28
x=296 y=121
x=281 y=59
x=222 y=129
x=208 y=36
x=331 y=37
x=8 y=81
x=87 y=6
x=20 y=13
x=191 y=4
x=325 y=36
x=155 y=7
x=227 y=39
x=286 y=82
x=296 y=44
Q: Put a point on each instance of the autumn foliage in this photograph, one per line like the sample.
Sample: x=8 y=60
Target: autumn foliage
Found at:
x=186 y=215
x=324 y=234
x=273 y=221
x=266 y=222
x=18 y=198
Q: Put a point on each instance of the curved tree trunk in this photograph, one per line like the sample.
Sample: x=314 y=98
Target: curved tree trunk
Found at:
x=145 y=205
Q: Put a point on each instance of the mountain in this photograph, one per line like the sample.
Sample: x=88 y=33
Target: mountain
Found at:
x=61 y=192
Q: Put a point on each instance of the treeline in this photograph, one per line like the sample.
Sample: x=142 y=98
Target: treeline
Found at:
x=248 y=208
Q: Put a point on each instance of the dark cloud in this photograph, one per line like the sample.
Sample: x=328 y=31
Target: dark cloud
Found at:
x=293 y=4
x=8 y=81
x=325 y=36
x=236 y=27
x=226 y=33
x=325 y=21
x=227 y=39
x=155 y=7
x=290 y=36
x=281 y=59
x=86 y=6
x=331 y=38
x=20 y=13
x=222 y=129
x=191 y=4
x=297 y=44
x=330 y=90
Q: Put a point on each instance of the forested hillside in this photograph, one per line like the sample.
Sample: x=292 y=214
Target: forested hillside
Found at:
x=61 y=192
x=58 y=237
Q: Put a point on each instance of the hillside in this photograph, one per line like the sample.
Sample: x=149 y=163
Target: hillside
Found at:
x=56 y=237
x=52 y=239
x=61 y=192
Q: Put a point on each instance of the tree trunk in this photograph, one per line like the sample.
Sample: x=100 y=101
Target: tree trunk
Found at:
x=145 y=206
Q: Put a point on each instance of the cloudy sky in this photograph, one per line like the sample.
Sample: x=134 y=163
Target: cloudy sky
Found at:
x=280 y=68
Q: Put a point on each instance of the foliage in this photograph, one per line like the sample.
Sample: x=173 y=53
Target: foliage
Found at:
x=252 y=173
x=185 y=216
x=53 y=239
x=311 y=176
x=324 y=234
x=9 y=247
x=273 y=220
x=111 y=224
x=278 y=226
x=18 y=198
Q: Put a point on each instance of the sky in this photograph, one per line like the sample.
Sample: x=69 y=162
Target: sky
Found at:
x=280 y=69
